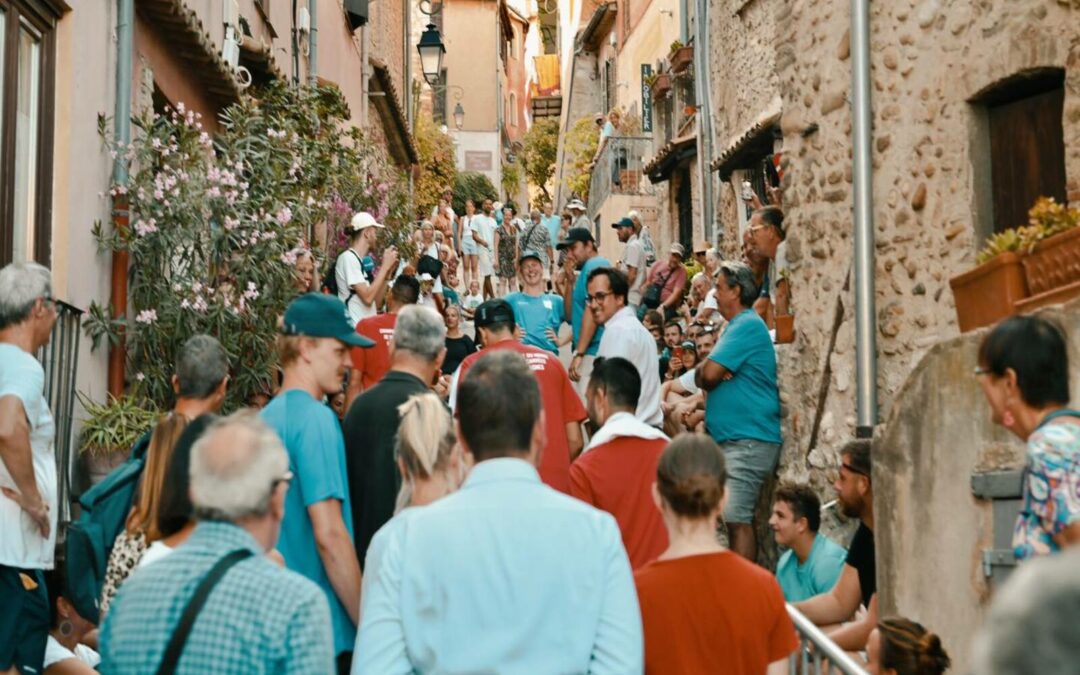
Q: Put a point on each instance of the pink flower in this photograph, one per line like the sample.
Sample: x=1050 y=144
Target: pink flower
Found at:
x=145 y=227
x=284 y=215
x=147 y=316
x=140 y=376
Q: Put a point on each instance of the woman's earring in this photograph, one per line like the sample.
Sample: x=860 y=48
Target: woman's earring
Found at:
x=66 y=628
x=1007 y=419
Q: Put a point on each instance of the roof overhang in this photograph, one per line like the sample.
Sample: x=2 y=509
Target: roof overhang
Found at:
x=384 y=97
x=751 y=145
x=599 y=25
x=190 y=42
x=504 y=19
x=676 y=152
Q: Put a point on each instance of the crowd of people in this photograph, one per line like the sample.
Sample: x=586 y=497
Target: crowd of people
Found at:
x=521 y=469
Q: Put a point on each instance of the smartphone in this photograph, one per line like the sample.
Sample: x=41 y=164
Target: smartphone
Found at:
x=747 y=191
x=678 y=352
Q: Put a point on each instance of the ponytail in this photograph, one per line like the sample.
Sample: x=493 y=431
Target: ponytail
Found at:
x=144 y=516
x=425 y=441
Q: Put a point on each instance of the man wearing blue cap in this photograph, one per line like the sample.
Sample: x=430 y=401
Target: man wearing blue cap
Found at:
x=317 y=530
x=632 y=263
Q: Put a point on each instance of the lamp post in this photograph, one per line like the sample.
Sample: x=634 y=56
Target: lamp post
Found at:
x=459 y=116
x=431 y=51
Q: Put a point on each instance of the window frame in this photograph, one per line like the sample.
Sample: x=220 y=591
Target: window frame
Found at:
x=42 y=16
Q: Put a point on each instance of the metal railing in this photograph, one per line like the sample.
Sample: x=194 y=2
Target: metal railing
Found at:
x=817 y=654
x=60 y=361
x=620 y=170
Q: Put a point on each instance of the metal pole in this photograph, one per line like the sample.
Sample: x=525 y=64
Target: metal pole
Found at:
x=125 y=39
x=704 y=105
x=313 y=42
x=862 y=131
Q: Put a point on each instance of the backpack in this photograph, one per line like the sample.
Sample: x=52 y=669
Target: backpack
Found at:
x=89 y=542
x=329 y=281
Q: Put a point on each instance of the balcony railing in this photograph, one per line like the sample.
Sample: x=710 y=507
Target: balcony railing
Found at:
x=817 y=654
x=60 y=361
x=620 y=171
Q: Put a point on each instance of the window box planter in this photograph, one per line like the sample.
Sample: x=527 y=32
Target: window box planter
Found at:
x=1052 y=271
x=681 y=58
x=990 y=292
x=661 y=85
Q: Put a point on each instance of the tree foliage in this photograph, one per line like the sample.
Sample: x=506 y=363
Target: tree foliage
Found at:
x=217 y=224
x=580 y=146
x=540 y=153
x=438 y=167
x=475 y=186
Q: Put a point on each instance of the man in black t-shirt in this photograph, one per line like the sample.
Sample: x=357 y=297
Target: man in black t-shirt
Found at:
x=371 y=425
x=858 y=582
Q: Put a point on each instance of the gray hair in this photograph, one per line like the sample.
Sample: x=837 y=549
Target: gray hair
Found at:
x=235 y=467
x=1032 y=626
x=739 y=274
x=421 y=331
x=21 y=284
x=535 y=213
x=201 y=365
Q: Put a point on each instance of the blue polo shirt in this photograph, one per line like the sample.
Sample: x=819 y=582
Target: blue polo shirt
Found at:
x=580 y=291
x=746 y=407
x=312 y=436
x=535 y=314
x=553 y=224
x=815 y=576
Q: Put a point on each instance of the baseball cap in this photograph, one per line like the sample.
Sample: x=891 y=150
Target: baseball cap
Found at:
x=576 y=234
x=424 y=276
x=321 y=315
x=623 y=222
x=362 y=221
x=678 y=250
x=529 y=254
x=493 y=311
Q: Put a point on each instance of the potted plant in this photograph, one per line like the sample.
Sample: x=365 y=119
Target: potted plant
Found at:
x=1052 y=266
x=110 y=430
x=989 y=293
x=660 y=84
x=680 y=57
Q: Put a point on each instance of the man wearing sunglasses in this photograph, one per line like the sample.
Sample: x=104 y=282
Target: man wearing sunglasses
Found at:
x=858 y=581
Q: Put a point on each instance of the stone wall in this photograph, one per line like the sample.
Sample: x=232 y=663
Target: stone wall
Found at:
x=930 y=528
x=928 y=59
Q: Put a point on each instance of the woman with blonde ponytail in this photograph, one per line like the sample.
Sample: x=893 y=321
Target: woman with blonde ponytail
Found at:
x=431 y=464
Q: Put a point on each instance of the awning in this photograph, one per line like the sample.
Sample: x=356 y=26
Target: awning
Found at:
x=749 y=146
x=599 y=25
x=677 y=151
x=384 y=97
x=190 y=42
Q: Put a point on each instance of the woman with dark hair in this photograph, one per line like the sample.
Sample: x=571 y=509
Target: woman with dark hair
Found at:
x=705 y=609
x=1024 y=372
x=66 y=651
x=902 y=647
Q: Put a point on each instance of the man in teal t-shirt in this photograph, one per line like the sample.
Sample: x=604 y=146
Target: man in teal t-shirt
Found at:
x=583 y=257
x=742 y=401
x=538 y=313
x=813 y=562
x=553 y=224
x=315 y=357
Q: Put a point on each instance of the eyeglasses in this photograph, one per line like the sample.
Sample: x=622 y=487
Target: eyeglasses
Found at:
x=599 y=296
x=852 y=469
x=281 y=479
x=979 y=370
x=755 y=228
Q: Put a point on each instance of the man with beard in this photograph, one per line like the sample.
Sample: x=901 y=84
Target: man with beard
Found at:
x=484 y=236
x=858 y=581
x=581 y=259
x=538 y=313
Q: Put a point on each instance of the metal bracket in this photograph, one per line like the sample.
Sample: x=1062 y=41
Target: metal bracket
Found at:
x=996 y=557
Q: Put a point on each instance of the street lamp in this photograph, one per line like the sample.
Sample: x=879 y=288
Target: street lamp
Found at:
x=459 y=116
x=431 y=51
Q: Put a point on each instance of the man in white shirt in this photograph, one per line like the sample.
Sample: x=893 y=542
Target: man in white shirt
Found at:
x=28 y=503
x=356 y=289
x=577 y=211
x=484 y=227
x=632 y=263
x=625 y=336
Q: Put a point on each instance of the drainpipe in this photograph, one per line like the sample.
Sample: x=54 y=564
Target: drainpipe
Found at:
x=125 y=39
x=861 y=131
x=313 y=42
x=704 y=116
x=406 y=54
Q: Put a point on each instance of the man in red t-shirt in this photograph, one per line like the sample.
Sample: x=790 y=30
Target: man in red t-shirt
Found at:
x=670 y=275
x=617 y=470
x=369 y=365
x=562 y=408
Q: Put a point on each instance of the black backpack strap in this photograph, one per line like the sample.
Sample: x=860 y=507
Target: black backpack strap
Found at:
x=191 y=612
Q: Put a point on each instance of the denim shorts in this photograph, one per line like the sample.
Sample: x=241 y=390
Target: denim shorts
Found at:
x=468 y=246
x=749 y=463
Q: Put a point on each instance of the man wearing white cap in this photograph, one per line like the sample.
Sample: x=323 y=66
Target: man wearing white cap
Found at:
x=358 y=285
x=577 y=211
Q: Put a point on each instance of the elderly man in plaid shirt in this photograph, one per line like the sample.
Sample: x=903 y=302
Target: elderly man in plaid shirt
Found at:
x=258 y=617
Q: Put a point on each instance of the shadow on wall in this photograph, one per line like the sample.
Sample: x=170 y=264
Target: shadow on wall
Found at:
x=930 y=528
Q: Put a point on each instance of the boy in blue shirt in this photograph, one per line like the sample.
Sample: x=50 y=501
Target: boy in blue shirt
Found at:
x=317 y=530
x=813 y=562
x=538 y=313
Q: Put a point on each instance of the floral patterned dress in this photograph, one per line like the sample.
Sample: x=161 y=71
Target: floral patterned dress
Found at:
x=507 y=268
x=1051 y=500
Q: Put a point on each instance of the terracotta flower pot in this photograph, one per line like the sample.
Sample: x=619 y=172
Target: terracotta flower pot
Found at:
x=661 y=85
x=1052 y=271
x=989 y=293
x=681 y=58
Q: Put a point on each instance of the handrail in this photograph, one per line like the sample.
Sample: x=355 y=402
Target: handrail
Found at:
x=619 y=170
x=825 y=651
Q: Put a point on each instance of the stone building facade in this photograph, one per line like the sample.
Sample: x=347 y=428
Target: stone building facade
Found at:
x=943 y=75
